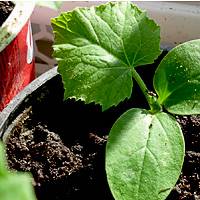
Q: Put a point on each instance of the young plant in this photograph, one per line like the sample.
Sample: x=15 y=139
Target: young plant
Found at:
x=14 y=185
x=98 y=50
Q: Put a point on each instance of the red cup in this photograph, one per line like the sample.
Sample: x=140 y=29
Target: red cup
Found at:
x=16 y=65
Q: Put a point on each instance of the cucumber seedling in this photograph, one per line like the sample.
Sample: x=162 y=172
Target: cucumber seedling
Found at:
x=98 y=50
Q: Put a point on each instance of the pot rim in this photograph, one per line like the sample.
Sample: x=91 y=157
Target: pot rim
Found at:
x=10 y=109
x=15 y=22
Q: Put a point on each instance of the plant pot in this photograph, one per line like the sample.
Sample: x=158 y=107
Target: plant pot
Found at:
x=16 y=52
x=36 y=94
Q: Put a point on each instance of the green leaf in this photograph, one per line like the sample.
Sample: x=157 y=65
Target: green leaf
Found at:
x=144 y=155
x=3 y=163
x=97 y=48
x=177 y=79
x=16 y=186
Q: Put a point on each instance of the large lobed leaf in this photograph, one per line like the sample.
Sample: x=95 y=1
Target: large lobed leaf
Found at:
x=144 y=155
x=177 y=79
x=97 y=48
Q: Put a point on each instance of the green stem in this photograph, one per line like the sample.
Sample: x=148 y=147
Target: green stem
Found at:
x=152 y=100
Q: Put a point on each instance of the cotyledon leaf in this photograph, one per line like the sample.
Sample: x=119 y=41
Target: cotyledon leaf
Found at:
x=144 y=155
x=3 y=163
x=14 y=185
x=177 y=79
x=97 y=48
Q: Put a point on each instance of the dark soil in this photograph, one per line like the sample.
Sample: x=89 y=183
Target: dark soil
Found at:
x=6 y=8
x=65 y=150
x=65 y=166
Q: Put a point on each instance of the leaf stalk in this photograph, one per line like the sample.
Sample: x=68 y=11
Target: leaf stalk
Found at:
x=151 y=99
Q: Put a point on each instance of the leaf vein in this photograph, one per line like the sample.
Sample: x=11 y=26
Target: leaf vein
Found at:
x=193 y=78
x=143 y=160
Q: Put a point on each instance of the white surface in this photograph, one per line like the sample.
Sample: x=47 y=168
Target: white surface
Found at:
x=178 y=22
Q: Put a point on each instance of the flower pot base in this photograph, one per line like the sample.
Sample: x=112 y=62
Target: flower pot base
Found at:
x=66 y=154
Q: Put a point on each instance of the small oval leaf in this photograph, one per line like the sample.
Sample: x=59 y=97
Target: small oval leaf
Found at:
x=144 y=155
x=3 y=163
x=16 y=186
x=177 y=79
